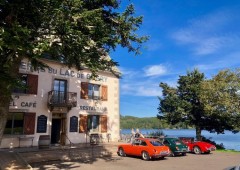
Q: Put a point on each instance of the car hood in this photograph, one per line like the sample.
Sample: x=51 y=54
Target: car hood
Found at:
x=206 y=144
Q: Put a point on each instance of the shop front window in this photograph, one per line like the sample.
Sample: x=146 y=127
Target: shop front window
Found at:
x=15 y=123
x=93 y=123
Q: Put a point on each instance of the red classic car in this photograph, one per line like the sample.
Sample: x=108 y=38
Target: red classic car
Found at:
x=146 y=148
x=198 y=147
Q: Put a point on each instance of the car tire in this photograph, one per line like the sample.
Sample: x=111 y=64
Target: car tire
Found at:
x=197 y=150
x=172 y=154
x=121 y=152
x=145 y=156
x=184 y=154
x=162 y=158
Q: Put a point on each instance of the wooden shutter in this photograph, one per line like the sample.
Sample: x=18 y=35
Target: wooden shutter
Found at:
x=29 y=123
x=32 y=83
x=83 y=124
x=84 y=90
x=104 y=93
x=103 y=123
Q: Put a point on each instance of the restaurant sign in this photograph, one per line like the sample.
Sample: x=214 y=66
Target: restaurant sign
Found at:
x=93 y=108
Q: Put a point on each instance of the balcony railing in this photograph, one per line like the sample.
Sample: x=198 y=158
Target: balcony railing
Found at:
x=62 y=99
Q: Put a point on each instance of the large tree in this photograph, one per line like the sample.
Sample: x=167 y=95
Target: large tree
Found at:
x=221 y=98
x=211 y=105
x=79 y=33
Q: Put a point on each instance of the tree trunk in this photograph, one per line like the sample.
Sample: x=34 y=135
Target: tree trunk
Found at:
x=198 y=133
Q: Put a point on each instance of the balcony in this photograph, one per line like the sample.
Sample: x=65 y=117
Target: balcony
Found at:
x=62 y=99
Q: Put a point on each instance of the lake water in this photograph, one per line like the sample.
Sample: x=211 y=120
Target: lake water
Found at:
x=229 y=139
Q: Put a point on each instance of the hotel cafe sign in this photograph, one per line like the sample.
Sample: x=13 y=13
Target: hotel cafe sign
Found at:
x=62 y=72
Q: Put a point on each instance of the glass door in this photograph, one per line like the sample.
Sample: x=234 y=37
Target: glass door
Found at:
x=60 y=91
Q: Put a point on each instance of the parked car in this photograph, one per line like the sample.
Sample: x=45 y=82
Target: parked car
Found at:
x=177 y=147
x=144 y=147
x=237 y=167
x=198 y=147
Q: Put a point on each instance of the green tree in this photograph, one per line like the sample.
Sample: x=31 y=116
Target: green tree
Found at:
x=211 y=105
x=221 y=97
x=78 y=33
x=182 y=104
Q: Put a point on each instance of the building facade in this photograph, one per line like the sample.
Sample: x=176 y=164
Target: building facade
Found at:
x=63 y=104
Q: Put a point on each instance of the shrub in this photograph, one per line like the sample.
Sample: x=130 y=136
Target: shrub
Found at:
x=218 y=146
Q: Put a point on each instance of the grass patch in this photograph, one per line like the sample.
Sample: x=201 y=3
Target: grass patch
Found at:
x=227 y=150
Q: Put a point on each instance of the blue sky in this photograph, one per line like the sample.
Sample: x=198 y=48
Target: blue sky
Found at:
x=184 y=34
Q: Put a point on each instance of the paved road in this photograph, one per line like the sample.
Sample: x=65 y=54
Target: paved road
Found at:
x=214 y=161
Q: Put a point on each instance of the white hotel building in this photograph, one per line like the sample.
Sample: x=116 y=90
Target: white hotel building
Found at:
x=63 y=104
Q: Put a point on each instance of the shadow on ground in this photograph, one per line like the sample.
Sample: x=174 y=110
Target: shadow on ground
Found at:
x=66 y=158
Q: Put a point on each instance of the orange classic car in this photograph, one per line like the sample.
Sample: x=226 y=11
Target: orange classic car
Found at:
x=147 y=148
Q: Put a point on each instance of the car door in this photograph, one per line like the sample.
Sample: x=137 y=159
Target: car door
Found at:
x=132 y=149
x=136 y=147
x=167 y=143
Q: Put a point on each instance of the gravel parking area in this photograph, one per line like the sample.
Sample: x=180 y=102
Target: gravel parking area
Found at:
x=213 y=161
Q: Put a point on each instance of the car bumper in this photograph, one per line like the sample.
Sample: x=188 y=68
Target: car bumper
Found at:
x=162 y=154
x=181 y=151
x=211 y=149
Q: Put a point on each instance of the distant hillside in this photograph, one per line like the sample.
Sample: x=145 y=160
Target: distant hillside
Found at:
x=129 y=122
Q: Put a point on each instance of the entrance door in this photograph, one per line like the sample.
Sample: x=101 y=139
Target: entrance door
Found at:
x=56 y=129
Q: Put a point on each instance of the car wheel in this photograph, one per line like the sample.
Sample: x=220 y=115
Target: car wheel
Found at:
x=145 y=156
x=197 y=150
x=184 y=154
x=162 y=158
x=172 y=154
x=121 y=152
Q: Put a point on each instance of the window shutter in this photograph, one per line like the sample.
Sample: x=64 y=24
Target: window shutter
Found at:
x=32 y=84
x=103 y=123
x=84 y=90
x=83 y=124
x=104 y=93
x=29 y=123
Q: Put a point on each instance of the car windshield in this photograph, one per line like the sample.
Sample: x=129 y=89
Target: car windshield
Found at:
x=156 y=143
x=177 y=141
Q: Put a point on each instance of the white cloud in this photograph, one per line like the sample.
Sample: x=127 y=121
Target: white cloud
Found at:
x=209 y=34
x=228 y=61
x=155 y=70
x=141 y=88
x=153 y=45
x=136 y=83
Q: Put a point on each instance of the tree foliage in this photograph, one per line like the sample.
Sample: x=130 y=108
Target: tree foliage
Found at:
x=221 y=97
x=211 y=105
x=78 y=33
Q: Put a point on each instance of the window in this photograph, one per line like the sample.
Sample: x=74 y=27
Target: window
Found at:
x=29 y=84
x=156 y=143
x=60 y=90
x=93 y=123
x=23 y=83
x=20 y=123
x=14 y=123
x=93 y=91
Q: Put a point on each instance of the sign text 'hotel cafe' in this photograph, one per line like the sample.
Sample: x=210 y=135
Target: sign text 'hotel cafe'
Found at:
x=62 y=72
